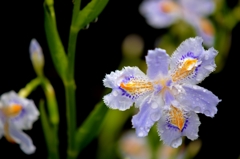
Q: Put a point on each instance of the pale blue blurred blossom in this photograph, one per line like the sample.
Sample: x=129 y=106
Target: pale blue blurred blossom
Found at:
x=168 y=94
x=17 y=114
x=133 y=147
x=163 y=13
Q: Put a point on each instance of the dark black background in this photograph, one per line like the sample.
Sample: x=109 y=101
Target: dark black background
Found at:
x=98 y=53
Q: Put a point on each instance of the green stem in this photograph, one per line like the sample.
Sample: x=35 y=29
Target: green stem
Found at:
x=24 y=92
x=73 y=39
x=71 y=116
x=71 y=52
x=69 y=84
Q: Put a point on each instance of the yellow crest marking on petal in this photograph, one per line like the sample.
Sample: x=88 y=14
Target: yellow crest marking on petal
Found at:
x=12 y=110
x=168 y=6
x=187 y=67
x=177 y=117
x=7 y=134
x=137 y=86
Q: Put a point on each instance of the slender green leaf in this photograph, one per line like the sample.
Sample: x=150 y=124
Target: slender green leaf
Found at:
x=54 y=42
x=90 y=12
x=51 y=102
x=49 y=133
x=91 y=126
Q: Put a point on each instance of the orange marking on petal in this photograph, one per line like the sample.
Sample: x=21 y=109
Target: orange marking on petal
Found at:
x=12 y=110
x=168 y=6
x=177 y=117
x=137 y=86
x=207 y=27
x=7 y=134
x=185 y=69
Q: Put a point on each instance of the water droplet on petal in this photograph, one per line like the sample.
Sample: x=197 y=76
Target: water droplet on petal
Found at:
x=195 y=87
x=115 y=93
x=140 y=134
x=177 y=142
x=204 y=90
x=154 y=105
x=155 y=116
x=206 y=56
x=147 y=129
x=207 y=112
x=197 y=109
x=209 y=68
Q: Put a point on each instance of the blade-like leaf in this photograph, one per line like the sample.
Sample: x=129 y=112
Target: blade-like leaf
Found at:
x=91 y=126
x=90 y=12
x=49 y=133
x=51 y=102
x=54 y=42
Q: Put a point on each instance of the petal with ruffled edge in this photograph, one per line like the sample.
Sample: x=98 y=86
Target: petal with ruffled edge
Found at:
x=198 y=99
x=27 y=116
x=190 y=63
x=21 y=138
x=28 y=112
x=200 y=7
x=149 y=113
x=171 y=135
x=157 y=62
x=191 y=126
x=159 y=14
x=128 y=85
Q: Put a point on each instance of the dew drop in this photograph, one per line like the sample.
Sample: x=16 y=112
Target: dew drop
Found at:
x=177 y=142
x=154 y=105
x=207 y=112
x=155 y=116
x=115 y=93
x=195 y=87
x=204 y=90
x=198 y=79
x=206 y=56
x=209 y=68
x=197 y=109
x=140 y=134
x=147 y=129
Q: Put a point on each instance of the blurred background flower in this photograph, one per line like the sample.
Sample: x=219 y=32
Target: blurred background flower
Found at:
x=163 y=13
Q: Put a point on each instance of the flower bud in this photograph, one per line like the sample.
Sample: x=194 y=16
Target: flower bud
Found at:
x=36 y=56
